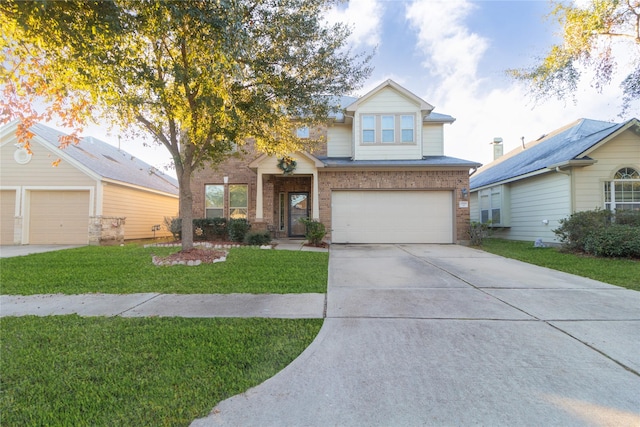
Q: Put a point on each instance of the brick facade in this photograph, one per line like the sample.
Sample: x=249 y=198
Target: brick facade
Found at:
x=451 y=180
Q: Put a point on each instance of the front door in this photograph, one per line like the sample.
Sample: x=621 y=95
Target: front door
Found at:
x=298 y=208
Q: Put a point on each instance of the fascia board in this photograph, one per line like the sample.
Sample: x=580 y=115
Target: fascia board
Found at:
x=515 y=178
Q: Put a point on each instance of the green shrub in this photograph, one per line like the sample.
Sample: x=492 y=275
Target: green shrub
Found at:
x=238 y=229
x=315 y=230
x=573 y=231
x=616 y=240
x=258 y=238
x=218 y=228
x=627 y=217
x=602 y=233
x=478 y=231
x=173 y=226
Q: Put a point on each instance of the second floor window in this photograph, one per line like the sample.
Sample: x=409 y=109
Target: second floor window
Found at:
x=368 y=129
x=388 y=129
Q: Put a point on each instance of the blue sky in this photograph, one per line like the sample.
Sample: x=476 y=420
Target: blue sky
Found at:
x=453 y=54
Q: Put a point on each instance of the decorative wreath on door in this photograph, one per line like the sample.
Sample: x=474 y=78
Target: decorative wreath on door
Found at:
x=287 y=165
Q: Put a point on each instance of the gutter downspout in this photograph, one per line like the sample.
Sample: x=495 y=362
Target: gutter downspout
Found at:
x=568 y=173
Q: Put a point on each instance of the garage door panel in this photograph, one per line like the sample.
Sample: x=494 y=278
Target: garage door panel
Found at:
x=7 y=215
x=392 y=217
x=59 y=217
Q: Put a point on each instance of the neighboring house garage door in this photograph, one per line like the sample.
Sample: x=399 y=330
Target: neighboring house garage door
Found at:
x=7 y=214
x=59 y=217
x=392 y=217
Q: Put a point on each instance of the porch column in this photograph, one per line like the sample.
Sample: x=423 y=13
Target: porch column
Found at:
x=259 y=209
x=315 y=206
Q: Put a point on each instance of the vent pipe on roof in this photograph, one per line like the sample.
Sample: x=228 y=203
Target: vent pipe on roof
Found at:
x=498 y=149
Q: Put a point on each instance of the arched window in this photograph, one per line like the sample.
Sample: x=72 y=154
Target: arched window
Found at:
x=624 y=191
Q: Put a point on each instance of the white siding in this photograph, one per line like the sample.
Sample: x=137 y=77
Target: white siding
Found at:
x=432 y=140
x=39 y=171
x=339 y=141
x=545 y=197
x=622 y=151
x=388 y=100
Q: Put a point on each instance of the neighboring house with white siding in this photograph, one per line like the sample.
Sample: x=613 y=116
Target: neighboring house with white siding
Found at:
x=97 y=194
x=380 y=176
x=586 y=165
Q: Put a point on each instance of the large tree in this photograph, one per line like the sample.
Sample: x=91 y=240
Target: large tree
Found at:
x=590 y=33
x=198 y=76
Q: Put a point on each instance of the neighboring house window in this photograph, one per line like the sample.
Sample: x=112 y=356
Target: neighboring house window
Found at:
x=214 y=201
x=624 y=191
x=238 y=201
x=494 y=205
x=368 y=129
x=388 y=128
x=407 y=128
x=303 y=132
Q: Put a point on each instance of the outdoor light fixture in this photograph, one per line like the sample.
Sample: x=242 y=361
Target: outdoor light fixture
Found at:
x=225 y=179
x=465 y=193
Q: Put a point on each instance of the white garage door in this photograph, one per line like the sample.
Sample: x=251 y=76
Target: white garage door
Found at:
x=7 y=214
x=59 y=217
x=392 y=217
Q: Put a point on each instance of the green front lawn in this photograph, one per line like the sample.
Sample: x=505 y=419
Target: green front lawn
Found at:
x=68 y=370
x=128 y=269
x=620 y=272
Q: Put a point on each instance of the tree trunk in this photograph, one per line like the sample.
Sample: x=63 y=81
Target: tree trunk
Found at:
x=186 y=207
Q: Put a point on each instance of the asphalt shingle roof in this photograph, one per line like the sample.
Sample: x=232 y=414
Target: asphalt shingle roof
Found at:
x=110 y=162
x=563 y=145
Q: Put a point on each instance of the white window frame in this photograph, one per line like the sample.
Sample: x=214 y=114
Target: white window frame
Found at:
x=385 y=131
x=493 y=204
x=367 y=140
x=412 y=128
x=303 y=132
x=387 y=134
x=626 y=175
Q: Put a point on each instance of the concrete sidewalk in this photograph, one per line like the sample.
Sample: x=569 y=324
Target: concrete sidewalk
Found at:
x=309 y=306
x=427 y=335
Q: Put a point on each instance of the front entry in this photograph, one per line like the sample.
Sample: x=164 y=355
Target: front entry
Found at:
x=298 y=208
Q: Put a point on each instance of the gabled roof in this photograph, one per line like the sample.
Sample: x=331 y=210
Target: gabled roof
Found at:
x=108 y=161
x=565 y=146
x=424 y=105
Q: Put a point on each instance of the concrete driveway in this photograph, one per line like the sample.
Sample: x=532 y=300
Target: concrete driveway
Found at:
x=7 y=251
x=446 y=335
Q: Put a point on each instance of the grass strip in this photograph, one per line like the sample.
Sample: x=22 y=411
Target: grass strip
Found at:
x=68 y=370
x=620 y=272
x=128 y=269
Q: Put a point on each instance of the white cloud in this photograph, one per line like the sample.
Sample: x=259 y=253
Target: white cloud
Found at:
x=451 y=52
x=504 y=109
x=364 y=17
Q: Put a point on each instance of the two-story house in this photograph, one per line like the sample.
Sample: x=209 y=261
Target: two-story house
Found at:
x=381 y=177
